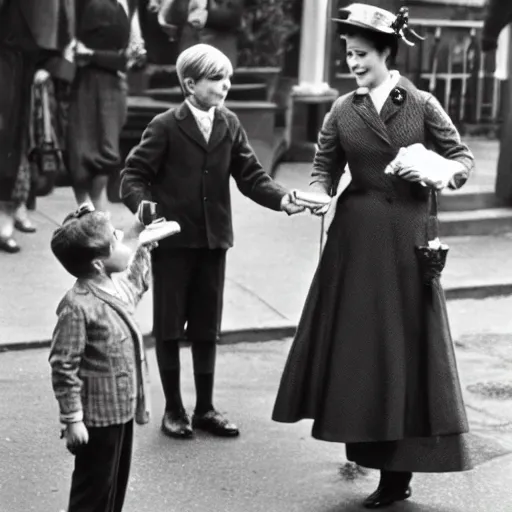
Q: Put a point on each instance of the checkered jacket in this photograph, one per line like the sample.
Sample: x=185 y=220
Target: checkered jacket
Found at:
x=97 y=356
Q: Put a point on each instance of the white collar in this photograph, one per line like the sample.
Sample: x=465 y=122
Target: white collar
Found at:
x=380 y=93
x=201 y=114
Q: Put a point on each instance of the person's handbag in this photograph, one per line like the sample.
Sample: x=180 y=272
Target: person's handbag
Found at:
x=432 y=256
x=44 y=154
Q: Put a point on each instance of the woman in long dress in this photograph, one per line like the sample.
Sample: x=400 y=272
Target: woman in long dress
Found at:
x=373 y=361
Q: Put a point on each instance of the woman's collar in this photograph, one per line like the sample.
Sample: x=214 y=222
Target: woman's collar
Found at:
x=388 y=84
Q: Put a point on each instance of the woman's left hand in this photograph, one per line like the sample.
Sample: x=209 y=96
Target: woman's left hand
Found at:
x=418 y=177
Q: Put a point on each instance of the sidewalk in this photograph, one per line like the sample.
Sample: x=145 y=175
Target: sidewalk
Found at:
x=268 y=271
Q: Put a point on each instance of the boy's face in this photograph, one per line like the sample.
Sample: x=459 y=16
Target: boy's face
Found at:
x=209 y=92
x=120 y=254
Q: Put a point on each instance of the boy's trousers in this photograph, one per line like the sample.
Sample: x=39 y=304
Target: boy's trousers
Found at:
x=188 y=289
x=102 y=468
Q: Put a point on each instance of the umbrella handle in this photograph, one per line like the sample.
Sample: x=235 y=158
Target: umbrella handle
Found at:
x=322 y=226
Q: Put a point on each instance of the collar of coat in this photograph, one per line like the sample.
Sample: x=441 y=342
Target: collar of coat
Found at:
x=398 y=98
x=188 y=125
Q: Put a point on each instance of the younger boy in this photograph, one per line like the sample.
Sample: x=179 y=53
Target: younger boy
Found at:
x=97 y=356
x=183 y=163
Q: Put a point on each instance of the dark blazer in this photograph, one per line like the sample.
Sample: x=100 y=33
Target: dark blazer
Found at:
x=225 y=15
x=51 y=22
x=498 y=15
x=189 y=178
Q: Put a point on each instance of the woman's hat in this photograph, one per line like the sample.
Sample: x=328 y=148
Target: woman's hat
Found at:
x=376 y=19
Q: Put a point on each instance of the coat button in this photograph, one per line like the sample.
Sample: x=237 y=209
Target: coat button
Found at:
x=205 y=171
x=205 y=199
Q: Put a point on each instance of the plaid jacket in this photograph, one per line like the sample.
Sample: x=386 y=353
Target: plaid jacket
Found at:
x=97 y=356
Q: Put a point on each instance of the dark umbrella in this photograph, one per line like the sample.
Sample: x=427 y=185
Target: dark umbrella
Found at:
x=432 y=257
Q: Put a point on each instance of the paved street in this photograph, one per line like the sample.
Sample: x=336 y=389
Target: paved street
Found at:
x=271 y=467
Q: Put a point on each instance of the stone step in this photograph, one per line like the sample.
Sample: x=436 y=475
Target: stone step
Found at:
x=488 y=221
x=469 y=200
x=238 y=92
x=257 y=117
x=478 y=266
x=164 y=77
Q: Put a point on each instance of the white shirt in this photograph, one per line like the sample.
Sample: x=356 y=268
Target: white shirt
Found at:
x=203 y=118
x=380 y=93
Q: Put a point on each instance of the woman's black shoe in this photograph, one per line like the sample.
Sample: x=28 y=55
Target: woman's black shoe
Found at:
x=177 y=424
x=8 y=244
x=385 y=496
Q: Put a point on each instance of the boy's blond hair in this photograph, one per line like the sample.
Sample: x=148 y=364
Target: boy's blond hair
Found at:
x=201 y=61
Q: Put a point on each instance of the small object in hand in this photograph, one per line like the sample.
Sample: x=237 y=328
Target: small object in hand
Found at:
x=146 y=213
x=310 y=200
x=158 y=230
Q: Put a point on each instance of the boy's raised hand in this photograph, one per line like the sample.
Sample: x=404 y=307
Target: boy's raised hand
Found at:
x=76 y=434
x=288 y=205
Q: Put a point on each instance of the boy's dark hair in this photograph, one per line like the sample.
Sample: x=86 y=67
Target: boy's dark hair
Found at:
x=81 y=239
x=379 y=40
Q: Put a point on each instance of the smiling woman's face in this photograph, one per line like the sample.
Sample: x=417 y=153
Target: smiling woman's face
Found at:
x=365 y=62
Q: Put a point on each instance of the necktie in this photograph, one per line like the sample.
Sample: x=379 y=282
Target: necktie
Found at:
x=205 y=125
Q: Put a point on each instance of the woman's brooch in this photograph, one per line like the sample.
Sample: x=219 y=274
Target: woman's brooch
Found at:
x=398 y=96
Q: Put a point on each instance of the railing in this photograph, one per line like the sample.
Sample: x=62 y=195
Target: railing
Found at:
x=449 y=64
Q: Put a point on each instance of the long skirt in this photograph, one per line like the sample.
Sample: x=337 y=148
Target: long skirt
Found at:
x=373 y=362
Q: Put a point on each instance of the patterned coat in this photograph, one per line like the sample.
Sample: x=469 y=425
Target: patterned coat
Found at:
x=373 y=360
x=97 y=357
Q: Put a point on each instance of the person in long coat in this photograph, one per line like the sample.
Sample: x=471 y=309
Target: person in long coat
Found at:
x=33 y=34
x=372 y=362
x=498 y=15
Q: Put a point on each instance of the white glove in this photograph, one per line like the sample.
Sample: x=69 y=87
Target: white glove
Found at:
x=418 y=164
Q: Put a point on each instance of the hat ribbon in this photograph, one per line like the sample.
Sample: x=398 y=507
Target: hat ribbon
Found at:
x=401 y=23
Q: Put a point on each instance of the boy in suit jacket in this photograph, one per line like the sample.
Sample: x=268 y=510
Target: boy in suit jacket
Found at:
x=97 y=356
x=183 y=163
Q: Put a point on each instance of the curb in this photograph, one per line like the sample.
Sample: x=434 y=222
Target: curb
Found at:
x=279 y=332
x=478 y=291
x=258 y=334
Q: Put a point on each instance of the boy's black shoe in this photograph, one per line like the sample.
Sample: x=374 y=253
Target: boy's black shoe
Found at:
x=385 y=496
x=214 y=423
x=177 y=424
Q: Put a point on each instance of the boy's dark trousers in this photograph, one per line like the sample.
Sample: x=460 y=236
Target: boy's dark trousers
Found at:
x=188 y=289
x=102 y=469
